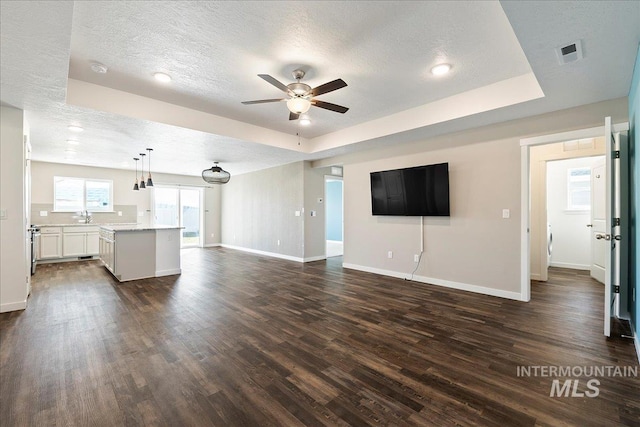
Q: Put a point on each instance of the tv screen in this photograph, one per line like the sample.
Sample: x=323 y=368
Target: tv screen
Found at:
x=417 y=191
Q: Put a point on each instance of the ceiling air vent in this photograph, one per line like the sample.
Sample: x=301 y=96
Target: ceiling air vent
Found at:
x=569 y=53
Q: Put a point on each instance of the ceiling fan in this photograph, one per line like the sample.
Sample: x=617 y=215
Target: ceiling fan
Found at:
x=301 y=95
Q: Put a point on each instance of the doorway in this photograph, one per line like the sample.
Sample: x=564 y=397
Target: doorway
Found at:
x=574 y=204
x=334 y=220
x=180 y=207
x=534 y=224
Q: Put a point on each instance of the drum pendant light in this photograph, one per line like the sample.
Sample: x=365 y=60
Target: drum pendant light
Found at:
x=216 y=175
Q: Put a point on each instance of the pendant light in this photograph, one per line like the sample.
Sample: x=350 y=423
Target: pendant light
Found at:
x=216 y=175
x=142 y=184
x=135 y=185
x=149 y=180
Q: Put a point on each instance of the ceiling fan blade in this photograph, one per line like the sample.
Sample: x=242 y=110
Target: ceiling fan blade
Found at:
x=329 y=106
x=293 y=116
x=267 y=78
x=262 y=101
x=327 y=87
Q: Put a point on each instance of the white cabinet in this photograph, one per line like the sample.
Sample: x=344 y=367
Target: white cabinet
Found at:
x=50 y=243
x=107 y=249
x=93 y=239
x=80 y=241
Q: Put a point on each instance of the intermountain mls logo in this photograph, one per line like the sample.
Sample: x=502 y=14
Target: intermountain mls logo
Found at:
x=567 y=380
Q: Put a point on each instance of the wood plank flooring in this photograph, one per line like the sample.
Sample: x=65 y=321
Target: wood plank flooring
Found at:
x=245 y=340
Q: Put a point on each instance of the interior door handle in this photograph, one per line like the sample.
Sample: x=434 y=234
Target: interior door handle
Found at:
x=603 y=236
x=589 y=225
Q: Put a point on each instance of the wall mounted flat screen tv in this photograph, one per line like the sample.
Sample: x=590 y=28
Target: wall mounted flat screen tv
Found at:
x=417 y=191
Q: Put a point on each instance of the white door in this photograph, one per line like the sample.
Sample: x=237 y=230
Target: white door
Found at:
x=612 y=225
x=599 y=247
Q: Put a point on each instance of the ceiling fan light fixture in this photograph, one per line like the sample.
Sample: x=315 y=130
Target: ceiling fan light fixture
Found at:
x=441 y=69
x=305 y=120
x=216 y=175
x=298 y=105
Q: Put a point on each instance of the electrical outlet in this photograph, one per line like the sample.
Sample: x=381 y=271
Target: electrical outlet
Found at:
x=390 y=254
x=506 y=213
x=3 y=214
x=416 y=258
x=119 y=213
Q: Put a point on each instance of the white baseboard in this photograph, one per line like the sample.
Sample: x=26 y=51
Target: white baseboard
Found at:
x=13 y=306
x=536 y=277
x=212 y=245
x=315 y=258
x=439 y=282
x=160 y=273
x=570 y=265
x=265 y=253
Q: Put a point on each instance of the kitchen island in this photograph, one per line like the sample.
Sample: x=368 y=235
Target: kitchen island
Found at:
x=132 y=252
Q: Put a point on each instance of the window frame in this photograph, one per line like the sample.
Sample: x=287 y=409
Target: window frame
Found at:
x=571 y=179
x=108 y=208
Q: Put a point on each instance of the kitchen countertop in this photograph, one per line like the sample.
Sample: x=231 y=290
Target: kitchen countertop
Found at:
x=79 y=224
x=138 y=227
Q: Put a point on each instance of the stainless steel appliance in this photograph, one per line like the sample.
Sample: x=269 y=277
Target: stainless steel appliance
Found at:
x=35 y=247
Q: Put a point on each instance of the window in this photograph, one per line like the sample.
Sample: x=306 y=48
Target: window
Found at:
x=579 y=189
x=79 y=194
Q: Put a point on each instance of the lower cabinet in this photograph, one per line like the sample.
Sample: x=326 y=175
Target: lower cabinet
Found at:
x=50 y=243
x=68 y=242
x=80 y=241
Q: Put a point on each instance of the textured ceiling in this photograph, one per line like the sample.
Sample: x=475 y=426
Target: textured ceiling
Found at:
x=214 y=51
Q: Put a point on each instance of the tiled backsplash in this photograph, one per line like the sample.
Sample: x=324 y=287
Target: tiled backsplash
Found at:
x=129 y=215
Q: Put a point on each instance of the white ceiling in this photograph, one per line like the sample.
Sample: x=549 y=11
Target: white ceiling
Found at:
x=504 y=67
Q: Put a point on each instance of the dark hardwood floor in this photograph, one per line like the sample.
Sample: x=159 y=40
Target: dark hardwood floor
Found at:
x=240 y=339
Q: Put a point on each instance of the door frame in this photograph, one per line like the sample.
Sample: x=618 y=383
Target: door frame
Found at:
x=525 y=196
x=328 y=178
x=179 y=187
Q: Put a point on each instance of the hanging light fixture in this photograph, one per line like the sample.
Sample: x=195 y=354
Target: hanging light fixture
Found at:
x=142 y=184
x=298 y=105
x=216 y=175
x=149 y=180
x=135 y=184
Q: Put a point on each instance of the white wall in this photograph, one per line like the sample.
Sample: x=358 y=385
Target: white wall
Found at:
x=42 y=174
x=258 y=210
x=571 y=236
x=475 y=249
x=13 y=228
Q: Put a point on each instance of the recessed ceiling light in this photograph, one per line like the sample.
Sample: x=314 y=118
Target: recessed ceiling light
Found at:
x=162 y=77
x=74 y=128
x=440 y=69
x=99 y=68
x=72 y=142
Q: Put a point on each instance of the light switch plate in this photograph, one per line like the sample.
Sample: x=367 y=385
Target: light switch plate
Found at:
x=44 y=213
x=506 y=213
x=3 y=214
x=297 y=213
